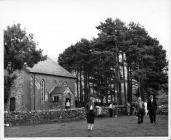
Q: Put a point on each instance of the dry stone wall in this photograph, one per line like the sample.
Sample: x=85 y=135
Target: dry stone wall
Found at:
x=38 y=117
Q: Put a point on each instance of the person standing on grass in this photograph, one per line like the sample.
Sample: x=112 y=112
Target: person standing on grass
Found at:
x=111 y=109
x=90 y=113
x=145 y=105
x=140 y=110
x=152 y=107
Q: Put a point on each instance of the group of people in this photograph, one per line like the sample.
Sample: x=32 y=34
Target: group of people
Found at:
x=143 y=108
x=151 y=107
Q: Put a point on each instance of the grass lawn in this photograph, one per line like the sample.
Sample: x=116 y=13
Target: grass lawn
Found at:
x=123 y=126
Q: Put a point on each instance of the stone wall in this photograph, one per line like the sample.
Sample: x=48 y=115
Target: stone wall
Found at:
x=27 y=91
x=39 y=117
x=17 y=92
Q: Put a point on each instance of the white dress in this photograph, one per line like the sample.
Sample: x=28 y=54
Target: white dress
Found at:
x=145 y=105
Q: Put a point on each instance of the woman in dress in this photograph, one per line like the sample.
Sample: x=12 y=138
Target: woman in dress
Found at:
x=90 y=112
x=145 y=107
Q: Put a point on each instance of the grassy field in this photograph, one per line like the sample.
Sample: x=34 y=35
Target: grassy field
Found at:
x=123 y=126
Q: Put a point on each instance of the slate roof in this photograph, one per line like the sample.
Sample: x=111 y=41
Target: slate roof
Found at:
x=58 y=90
x=50 y=67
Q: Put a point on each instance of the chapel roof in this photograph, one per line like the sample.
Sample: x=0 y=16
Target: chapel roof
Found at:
x=58 y=90
x=50 y=67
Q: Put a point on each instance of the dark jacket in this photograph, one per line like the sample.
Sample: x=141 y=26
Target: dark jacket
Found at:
x=151 y=105
x=87 y=107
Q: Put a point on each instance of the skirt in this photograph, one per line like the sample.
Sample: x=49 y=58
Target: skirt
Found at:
x=90 y=117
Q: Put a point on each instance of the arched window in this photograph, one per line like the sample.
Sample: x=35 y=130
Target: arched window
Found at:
x=31 y=81
x=42 y=84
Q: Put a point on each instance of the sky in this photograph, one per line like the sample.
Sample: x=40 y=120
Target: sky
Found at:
x=56 y=24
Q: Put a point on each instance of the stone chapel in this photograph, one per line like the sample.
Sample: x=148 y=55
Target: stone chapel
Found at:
x=45 y=86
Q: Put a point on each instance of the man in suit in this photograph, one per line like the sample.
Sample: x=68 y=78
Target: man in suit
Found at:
x=152 y=107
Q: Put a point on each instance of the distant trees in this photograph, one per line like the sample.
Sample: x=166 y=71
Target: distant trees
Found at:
x=121 y=57
x=19 y=50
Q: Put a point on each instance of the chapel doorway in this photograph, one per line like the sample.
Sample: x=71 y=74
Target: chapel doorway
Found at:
x=67 y=99
x=67 y=103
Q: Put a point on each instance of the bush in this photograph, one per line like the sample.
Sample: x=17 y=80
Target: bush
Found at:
x=163 y=110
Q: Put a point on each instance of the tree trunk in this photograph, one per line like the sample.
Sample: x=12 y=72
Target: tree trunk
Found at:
x=120 y=94
x=119 y=77
x=142 y=81
x=124 y=83
x=93 y=89
x=81 y=93
x=131 y=90
x=101 y=100
x=139 y=82
x=88 y=84
x=77 y=82
x=114 y=93
x=128 y=84
x=85 y=86
x=142 y=88
x=106 y=99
